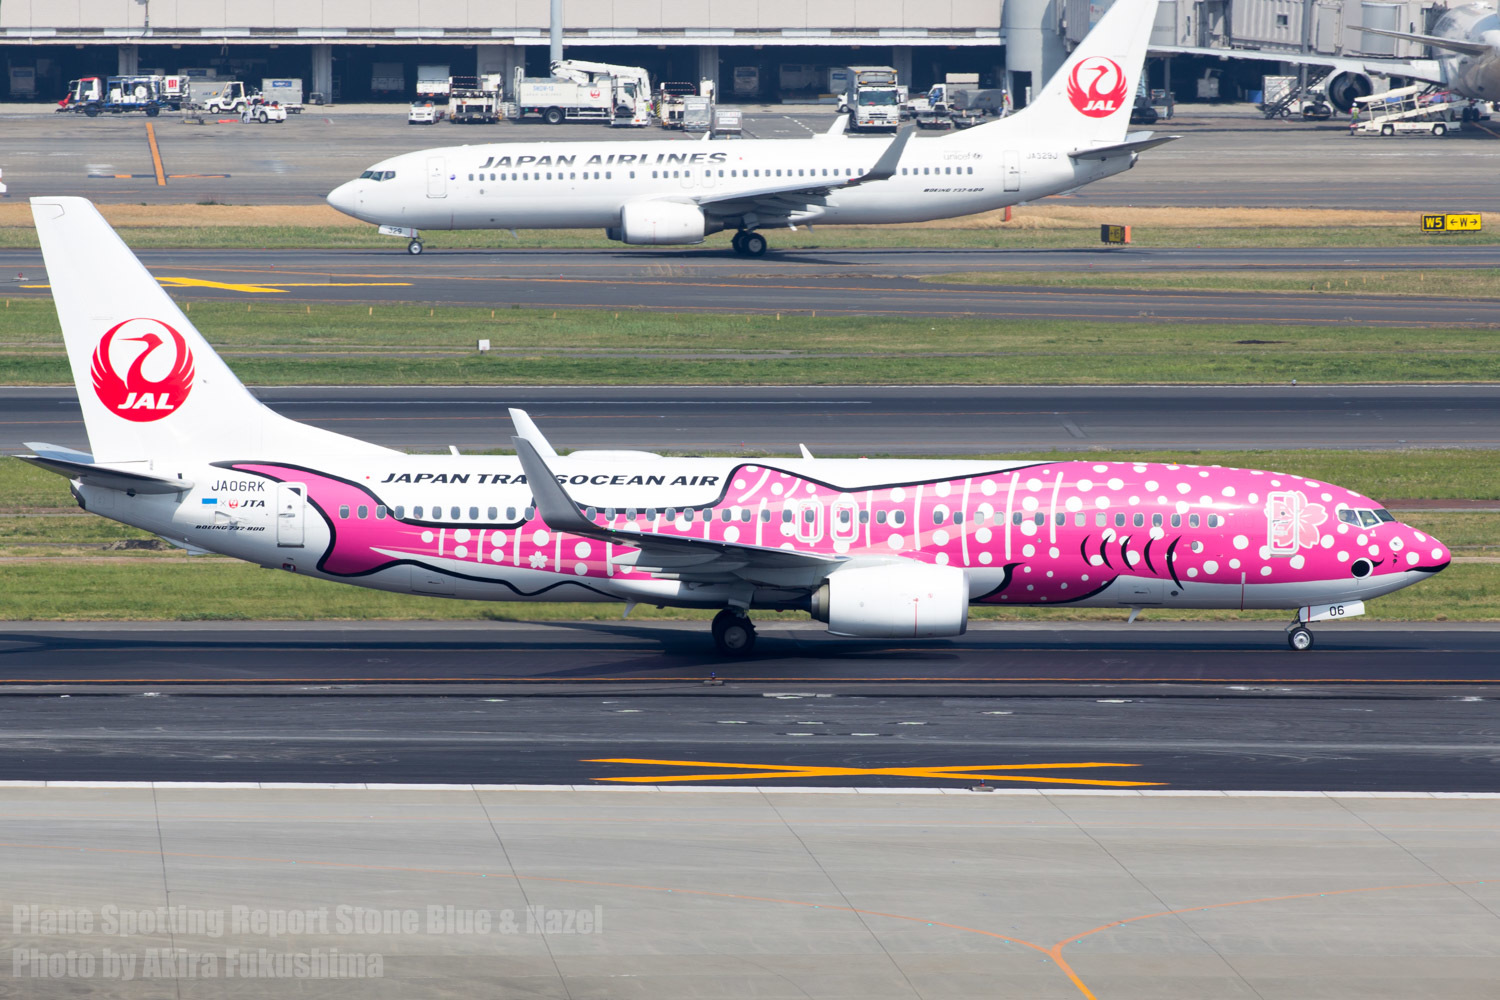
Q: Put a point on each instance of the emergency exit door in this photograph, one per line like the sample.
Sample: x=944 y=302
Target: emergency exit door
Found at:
x=291 y=514
x=1012 y=170
x=437 y=177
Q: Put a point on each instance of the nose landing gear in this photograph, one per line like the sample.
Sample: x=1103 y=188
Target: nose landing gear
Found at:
x=414 y=247
x=734 y=633
x=1299 y=636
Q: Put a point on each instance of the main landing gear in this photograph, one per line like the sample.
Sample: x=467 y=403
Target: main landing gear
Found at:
x=1299 y=636
x=749 y=243
x=734 y=633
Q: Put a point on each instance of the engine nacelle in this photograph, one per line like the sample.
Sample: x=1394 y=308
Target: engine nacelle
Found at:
x=898 y=600
x=1342 y=88
x=656 y=222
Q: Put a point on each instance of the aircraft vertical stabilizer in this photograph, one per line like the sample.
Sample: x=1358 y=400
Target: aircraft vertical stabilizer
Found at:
x=149 y=385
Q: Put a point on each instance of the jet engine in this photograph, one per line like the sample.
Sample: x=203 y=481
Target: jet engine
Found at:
x=895 y=600
x=1344 y=87
x=653 y=222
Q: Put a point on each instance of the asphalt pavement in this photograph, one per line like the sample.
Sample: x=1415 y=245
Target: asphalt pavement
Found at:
x=856 y=420
x=827 y=282
x=1372 y=707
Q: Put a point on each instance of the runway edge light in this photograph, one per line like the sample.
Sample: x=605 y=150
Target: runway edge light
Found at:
x=1114 y=235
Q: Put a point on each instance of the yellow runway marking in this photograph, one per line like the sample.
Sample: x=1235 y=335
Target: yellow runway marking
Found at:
x=971 y=772
x=279 y=287
x=161 y=180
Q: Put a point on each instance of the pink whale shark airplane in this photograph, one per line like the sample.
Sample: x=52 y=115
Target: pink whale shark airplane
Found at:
x=886 y=549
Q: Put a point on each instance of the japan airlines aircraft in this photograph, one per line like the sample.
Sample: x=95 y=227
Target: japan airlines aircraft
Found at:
x=680 y=192
x=1465 y=41
x=886 y=549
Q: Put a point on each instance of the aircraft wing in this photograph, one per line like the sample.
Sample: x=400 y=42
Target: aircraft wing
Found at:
x=1418 y=69
x=1450 y=44
x=800 y=193
x=673 y=556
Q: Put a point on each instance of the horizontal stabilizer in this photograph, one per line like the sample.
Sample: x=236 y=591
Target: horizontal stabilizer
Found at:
x=1132 y=144
x=80 y=466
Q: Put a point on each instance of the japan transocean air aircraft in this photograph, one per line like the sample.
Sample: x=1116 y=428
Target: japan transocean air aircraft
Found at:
x=681 y=192
x=885 y=549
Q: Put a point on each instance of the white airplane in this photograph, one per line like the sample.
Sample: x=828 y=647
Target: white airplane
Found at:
x=888 y=548
x=1074 y=133
x=1466 y=41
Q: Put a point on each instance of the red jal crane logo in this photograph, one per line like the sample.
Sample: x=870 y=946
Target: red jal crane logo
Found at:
x=1097 y=87
x=137 y=397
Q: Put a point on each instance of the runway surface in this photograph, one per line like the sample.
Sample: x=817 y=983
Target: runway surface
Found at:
x=828 y=282
x=856 y=420
x=1226 y=156
x=1371 y=708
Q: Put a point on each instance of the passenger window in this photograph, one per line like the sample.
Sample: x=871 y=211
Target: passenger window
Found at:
x=473 y=513
x=1156 y=520
x=745 y=515
x=380 y=512
x=1040 y=518
x=958 y=517
x=363 y=512
x=1176 y=520
x=650 y=513
x=765 y=516
x=1192 y=520
x=726 y=514
x=1061 y=519
x=809 y=515
x=510 y=513
x=590 y=513
x=1119 y=520
x=416 y=512
x=1080 y=519
x=880 y=517
x=343 y=510
x=1017 y=517
x=1099 y=520
x=687 y=515
x=1139 y=520
x=898 y=518
x=453 y=513
x=786 y=516
x=843 y=515
x=494 y=514
x=530 y=512
x=401 y=512
x=1213 y=520
x=937 y=517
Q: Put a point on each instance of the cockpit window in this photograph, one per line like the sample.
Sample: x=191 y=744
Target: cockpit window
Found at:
x=1384 y=515
x=377 y=175
x=1349 y=516
x=1368 y=519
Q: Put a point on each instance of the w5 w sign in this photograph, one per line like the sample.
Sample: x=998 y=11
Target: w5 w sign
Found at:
x=1469 y=223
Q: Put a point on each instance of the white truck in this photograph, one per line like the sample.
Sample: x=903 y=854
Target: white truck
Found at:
x=474 y=106
x=433 y=81
x=387 y=78
x=284 y=90
x=871 y=95
x=556 y=101
x=697 y=114
x=629 y=85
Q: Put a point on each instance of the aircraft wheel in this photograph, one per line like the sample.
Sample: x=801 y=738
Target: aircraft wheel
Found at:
x=753 y=245
x=737 y=241
x=1299 y=638
x=734 y=633
x=414 y=247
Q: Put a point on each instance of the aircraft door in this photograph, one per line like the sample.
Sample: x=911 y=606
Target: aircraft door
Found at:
x=291 y=514
x=1012 y=170
x=437 y=177
x=687 y=177
x=845 y=517
x=809 y=520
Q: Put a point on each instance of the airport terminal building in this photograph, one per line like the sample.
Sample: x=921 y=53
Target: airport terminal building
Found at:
x=756 y=50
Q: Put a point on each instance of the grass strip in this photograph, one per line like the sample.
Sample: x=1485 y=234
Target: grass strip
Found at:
x=1461 y=283
x=336 y=344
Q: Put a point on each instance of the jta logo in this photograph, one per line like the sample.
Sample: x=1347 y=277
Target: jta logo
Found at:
x=1097 y=87
x=136 y=396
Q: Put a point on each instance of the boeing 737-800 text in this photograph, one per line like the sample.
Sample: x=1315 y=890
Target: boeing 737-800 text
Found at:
x=887 y=548
x=680 y=192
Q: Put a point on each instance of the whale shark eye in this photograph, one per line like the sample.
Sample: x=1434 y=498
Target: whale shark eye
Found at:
x=1361 y=568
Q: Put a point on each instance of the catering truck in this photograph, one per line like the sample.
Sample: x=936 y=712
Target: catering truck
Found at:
x=283 y=90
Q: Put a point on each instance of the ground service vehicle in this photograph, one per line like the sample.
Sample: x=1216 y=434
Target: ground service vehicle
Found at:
x=116 y=95
x=874 y=109
x=263 y=111
x=697 y=114
x=894 y=549
x=433 y=81
x=630 y=87
x=729 y=123
x=670 y=102
x=285 y=91
x=473 y=107
x=556 y=101
x=224 y=96
x=423 y=113
x=747 y=81
x=1407 y=110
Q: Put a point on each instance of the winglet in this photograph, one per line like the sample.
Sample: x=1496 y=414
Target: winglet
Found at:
x=885 y=167
x=528 y=430
x=805 y=452
x=552 y=501
x=837 y=129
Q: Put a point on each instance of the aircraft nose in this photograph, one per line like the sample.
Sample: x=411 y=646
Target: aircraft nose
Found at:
x=345 y=198
x=1423 y=552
